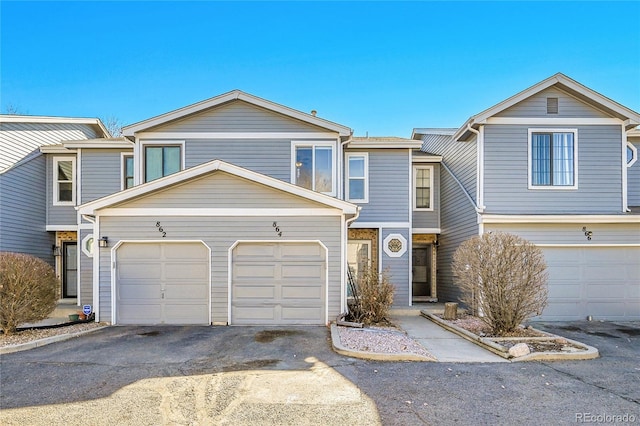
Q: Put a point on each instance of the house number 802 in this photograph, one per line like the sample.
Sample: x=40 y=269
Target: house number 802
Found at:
x=161 y=229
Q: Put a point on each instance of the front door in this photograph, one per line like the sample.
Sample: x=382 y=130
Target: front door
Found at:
x=69 y=269
x=421 y=276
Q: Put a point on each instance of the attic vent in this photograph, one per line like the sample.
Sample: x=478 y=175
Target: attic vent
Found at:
x=552 y=105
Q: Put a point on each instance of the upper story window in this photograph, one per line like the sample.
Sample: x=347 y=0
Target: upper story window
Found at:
x=64 y=176
x=161 y=160
x=127 y=171
x=358 y=177
x=553 y=158
x=422 y=184
x=313 y=166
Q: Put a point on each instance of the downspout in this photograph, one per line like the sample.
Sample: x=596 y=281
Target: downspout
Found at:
x=343 y=294
x=625 y=171
x=341 y=165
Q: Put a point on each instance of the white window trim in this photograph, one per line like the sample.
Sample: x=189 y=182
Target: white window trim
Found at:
x=415 y=207
x=314 y=144
x=139 y=166
x=55 y=185
x=635 y=154
x=364 y=155
x=84 y=245
x=123 y=156
x=530 y=133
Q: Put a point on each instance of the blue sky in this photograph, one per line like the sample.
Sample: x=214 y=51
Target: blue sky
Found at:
x=377 y=67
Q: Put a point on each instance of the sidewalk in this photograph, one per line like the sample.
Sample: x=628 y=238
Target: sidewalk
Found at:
x=443 y=344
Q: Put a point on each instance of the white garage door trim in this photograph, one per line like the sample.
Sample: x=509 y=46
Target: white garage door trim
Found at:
x=230 y=270
x=588 y=246
x=114 y=250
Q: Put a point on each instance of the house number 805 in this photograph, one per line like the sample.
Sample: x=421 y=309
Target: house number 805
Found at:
x=161 y=229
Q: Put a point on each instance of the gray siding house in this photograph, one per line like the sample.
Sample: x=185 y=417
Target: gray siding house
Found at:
x=555 y=164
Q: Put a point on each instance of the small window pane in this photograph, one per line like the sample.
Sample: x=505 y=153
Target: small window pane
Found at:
x=171 y=160
x=153 y=163
x=65 y=170
x=629 y=154
x=356 y=189
x=423 y=188
x=356 y=167
x=128 y=172
x=304 y=167
x=65 y=191
x=324 y=172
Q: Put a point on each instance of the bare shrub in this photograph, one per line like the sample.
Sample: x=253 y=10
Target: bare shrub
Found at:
x=27 y=290
x=373 y=296
x=503 y=279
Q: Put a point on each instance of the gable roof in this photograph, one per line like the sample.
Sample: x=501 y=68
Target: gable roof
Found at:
x=210 y=167
x=629 y=117
x=21 y=136
x=132 y=129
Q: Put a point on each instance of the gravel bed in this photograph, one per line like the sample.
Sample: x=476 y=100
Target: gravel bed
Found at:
x=380 y=340
x=27 y=336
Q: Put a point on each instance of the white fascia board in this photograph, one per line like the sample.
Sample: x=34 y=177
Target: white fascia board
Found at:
x=398 y=225
x=62 y=228
x=119 y=143
x=496 y=218
x=426 y=230
x=143 y=136
x=230 y=96
x=553 y=121
x=219 y=212
x=10 y=118
x=56 y=149
x=202 y=169
x=411 y=144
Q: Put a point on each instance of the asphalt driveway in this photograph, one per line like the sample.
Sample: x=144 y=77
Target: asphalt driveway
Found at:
x=258 y=375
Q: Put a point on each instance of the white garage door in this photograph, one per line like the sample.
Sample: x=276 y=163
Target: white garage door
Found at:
x=278 y=283
x=162 y=283
x=603 y=282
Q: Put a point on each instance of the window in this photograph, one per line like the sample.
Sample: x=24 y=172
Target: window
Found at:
x=127 y=171
x=160 y=161
x=632 y=154
x=313 y=167
x=87 y=245
x=358 y=256
x=357 y=181
x=64 y=174
x=422 y=183
x=553 y=158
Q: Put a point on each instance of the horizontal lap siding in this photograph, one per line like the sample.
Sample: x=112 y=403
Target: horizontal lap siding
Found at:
x=459 y=223
x=101 y=173
x=219 y=234
x=271 y=157
x=237 y=116
x=398 y=268
x=506 y=173
x=388 y=187
x=23 y=210
x=572 y=233
x=220 y=190
x=430 y=219
x=536 y=106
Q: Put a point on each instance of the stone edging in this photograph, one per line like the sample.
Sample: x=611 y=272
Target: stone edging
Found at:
x=378 y=356
x=589 y=353
x=45 y=341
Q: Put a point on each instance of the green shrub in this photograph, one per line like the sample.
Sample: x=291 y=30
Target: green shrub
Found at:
x=503 y=279
x=373 y=297
x=27 y=290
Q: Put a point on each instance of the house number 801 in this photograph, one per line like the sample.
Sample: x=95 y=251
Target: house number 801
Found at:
x=161 y=229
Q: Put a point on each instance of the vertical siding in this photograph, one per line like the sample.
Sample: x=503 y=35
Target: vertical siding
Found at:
x=633 y=181
x=389 y=171
x=430 y=219
x=23 y=210
x=536 y=106
x=85 y=272
x=599 y=175
x=58 y=215
x=220 y=233
x=459 y=223
x=101 y=173
x=270 y=157
x=397 y=267
x=460 y=157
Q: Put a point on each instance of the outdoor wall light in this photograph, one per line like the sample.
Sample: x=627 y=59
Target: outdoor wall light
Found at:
x=55 y=250
x=103 y=242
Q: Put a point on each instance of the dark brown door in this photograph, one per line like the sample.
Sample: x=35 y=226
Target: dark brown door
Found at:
x=421 y=276
x=70 y=269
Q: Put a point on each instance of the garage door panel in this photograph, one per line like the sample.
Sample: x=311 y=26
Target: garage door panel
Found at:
x=162 y=283
x=605 y=291
x=278 y=283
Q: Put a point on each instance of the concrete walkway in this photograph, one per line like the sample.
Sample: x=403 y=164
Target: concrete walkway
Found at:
x=444 y=345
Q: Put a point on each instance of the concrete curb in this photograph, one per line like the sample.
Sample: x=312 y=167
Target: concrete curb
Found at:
x=378 y=356
x=589 y=351
x=45 y=341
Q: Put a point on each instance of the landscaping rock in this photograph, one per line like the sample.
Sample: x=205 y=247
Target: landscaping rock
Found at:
x=519 y=349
